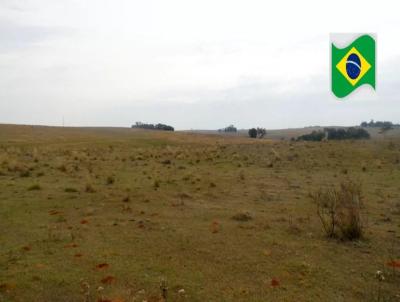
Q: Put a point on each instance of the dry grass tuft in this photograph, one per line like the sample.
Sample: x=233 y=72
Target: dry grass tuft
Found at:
x=110 y=180
x=89 y=188
x=15 y=167
x=62 y=168
x=25 y=173
x=166 y=162
x=244 y=216
x=34 y=187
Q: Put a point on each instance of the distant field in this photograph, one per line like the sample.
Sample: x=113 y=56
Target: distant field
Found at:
x=109 y=214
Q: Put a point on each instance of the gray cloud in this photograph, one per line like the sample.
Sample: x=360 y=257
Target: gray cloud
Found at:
x=252 y=102
x=14 y=5
x=14 y=36
x=255 y=103
x=97 y=63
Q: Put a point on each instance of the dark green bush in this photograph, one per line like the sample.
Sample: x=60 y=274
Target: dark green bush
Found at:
x=253 y=132
x=336 y=134
x=315 y=136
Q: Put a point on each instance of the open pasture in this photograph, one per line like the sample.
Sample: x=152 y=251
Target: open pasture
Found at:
x=103 y=214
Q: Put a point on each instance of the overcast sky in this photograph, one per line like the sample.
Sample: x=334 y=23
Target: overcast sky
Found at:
x=192 y=64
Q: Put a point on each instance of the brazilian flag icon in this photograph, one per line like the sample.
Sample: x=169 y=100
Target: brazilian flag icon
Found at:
x=353 y=66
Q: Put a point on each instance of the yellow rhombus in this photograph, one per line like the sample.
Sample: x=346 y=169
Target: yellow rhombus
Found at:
x=341 y=66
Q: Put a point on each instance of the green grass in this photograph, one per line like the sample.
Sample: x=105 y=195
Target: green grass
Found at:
x=222 y=217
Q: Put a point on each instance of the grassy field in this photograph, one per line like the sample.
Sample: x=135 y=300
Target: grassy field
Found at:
x=101 y=214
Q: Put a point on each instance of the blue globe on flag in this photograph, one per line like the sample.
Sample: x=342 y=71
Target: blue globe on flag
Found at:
x=353 y=66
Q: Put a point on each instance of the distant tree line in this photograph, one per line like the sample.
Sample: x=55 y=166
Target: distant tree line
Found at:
x=315 y=136
x=379 y=124
x=336 y=134
x=257 y=132
x=159 y=126
x=230 y=128
x=349 y=133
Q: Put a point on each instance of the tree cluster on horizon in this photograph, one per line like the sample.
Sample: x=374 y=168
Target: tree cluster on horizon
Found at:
x=257 y=132
x=230 y=128
x=336 y=134
x=379 y=124
x=158 y=126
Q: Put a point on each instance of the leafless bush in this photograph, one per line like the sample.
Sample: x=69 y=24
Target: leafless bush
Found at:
x=340 y=210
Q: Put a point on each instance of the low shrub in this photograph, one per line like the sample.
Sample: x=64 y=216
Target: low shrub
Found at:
x=340 y=210
x=253 y=132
